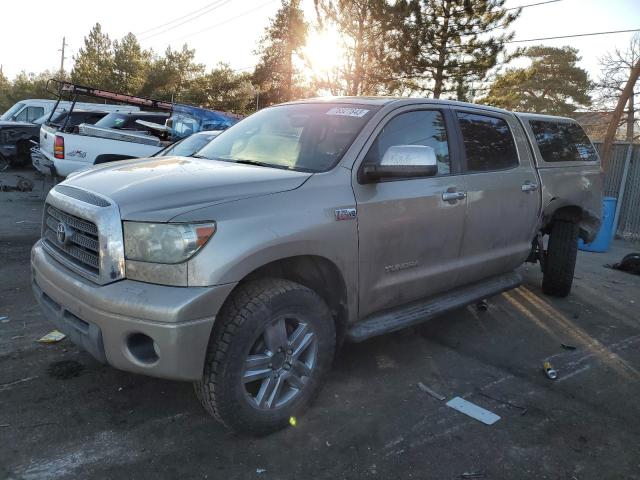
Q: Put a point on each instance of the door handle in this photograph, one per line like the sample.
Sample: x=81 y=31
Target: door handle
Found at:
x=529 y=186
x=453 y=196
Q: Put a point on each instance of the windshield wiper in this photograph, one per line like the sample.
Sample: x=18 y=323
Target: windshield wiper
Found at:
x=254 y=162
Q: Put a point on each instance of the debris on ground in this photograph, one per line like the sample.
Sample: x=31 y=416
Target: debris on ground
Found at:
x=293 y=421
x=4 y=319
x=472 y=410
x=260 y=470
x=426 y=389
x=482 y=305
x=65 y=369
x=54 y=336
x=566 y=346
x=630 y=263
x=549 y=371
x=472 y=475
x=22 y=185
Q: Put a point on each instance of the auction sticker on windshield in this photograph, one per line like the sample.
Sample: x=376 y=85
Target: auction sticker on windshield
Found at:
x=348 y=111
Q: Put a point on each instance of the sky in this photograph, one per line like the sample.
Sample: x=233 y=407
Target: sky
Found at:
x=228 y=30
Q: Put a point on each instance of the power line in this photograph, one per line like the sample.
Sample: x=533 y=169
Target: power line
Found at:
x=573 y=36
x=224 y=22
x=533 y=4
x=220 y=3
x=176 y=19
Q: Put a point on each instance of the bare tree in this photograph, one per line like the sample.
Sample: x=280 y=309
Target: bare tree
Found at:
x=627 y=92
x=616 y=68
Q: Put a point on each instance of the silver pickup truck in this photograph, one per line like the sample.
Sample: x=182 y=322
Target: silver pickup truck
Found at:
x=306 y=224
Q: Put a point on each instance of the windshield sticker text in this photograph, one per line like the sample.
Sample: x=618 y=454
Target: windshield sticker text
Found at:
x=348 y=112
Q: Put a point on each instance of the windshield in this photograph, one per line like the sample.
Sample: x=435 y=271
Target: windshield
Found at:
x=9 y=113
x=306 y=137
x=188 y=146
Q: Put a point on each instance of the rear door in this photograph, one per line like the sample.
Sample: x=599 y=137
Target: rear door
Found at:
x=409 y=235
x=503 y=194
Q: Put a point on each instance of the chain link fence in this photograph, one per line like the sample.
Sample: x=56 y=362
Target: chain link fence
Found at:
x=622 y=181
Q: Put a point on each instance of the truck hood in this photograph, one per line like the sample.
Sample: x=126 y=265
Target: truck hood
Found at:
x=158 y=189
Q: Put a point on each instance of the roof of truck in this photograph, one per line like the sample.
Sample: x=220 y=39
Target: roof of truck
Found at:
x=400 y=101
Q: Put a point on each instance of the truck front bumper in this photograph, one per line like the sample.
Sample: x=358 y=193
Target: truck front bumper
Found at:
x=134 y=326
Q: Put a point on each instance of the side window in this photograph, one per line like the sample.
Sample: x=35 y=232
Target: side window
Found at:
x=488 y=143
x=22 y=116
x=562 y=142
x=34 y=112
x=421 y=127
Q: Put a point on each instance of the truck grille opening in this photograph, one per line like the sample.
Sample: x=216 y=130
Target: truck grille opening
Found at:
x=72 y=240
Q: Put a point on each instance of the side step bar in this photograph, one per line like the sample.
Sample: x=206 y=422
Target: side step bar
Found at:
x=423 y=310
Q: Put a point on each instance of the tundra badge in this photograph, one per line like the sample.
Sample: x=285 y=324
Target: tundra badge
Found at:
x=346 y=213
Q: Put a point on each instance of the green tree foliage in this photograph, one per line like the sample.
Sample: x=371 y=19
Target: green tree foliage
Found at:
x=552 y=83
x=222 y=89
x=5 y=92
x=24 y=85
x=446 y=45
x=275 y=75
x=130 y=65
x=369 y=29
x=93 y=66
x=171 y=76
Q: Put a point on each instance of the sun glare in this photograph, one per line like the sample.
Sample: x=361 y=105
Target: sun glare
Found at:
x=323 y=52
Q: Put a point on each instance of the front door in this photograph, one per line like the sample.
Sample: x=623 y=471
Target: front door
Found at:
x=503 y=196
x=409 y=235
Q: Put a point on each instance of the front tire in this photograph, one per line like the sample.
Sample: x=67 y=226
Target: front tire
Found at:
x=560 y=260
x=271 y=347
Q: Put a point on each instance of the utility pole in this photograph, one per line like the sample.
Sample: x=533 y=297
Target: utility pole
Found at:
x=62 y=57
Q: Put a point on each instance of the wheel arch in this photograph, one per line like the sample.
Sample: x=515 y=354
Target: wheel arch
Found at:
x=588 y=221
x=317 y=273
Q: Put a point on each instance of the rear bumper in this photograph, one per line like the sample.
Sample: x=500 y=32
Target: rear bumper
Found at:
x=109 y=320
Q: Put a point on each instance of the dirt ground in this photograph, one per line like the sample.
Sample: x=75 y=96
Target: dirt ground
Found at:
x=65 y=416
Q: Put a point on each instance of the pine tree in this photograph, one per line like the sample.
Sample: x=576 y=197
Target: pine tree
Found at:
x=93 y=66
x=552 y=84
x=369 y=29
x=130 y=65
x=222 y=89
x=276 y=75
x=171 y=75
x=446 y=45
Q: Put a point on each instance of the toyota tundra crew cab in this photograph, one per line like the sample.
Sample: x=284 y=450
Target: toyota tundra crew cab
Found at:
x=304 y=225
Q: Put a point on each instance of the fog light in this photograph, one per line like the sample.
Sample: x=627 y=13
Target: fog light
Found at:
x=143 y=348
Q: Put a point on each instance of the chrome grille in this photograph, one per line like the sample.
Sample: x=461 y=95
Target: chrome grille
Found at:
x=81 y=247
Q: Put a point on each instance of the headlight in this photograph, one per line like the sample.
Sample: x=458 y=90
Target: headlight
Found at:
x=165 y=242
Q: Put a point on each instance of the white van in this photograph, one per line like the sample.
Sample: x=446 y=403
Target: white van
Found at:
x=31 y=109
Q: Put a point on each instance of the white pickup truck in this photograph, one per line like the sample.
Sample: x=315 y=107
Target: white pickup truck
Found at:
x=115 y=137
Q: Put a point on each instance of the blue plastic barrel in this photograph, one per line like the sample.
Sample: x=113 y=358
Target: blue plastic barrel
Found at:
x=603 y=239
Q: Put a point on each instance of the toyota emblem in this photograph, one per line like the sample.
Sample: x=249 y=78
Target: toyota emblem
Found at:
x=61 y=233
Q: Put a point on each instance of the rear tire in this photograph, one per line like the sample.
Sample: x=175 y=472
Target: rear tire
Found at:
x=560 y=260
x=259 y=317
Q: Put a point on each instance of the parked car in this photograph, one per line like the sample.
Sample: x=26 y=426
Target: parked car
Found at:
x=117 y=136
x=31 y=109
x=188 y=146
x=19 y=127
x=63 y=122
x=244 y=269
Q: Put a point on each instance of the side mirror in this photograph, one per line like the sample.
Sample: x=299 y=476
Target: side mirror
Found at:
x=403 y=161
